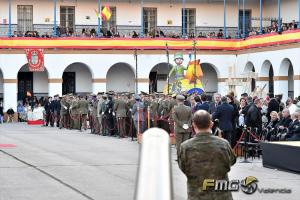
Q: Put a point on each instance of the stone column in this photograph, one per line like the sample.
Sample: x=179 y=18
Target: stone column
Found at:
x=222 y=86
x=281 y=86
x=55 y=86
x=296 y=85
x=143 y=85
x=10 y=90
x=99 y=85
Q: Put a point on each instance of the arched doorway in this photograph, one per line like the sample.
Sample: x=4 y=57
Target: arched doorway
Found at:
x=209 y=79
x=32 y=83
x=120 y=78
x=77 y=79
x=267 y=71
x=286 y=70
x=250 y=68
x=158 y=77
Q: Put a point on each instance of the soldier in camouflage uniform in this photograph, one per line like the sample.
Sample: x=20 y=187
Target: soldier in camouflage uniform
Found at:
x=205 y=157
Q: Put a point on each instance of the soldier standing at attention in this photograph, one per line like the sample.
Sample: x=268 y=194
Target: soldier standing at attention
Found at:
x=75 y=113
x=98 y=113
x=63 y=112
x=205 y=157
x=173 y=103
x=182 y=116
x=121 y=108
x=83 y=110
x=153 y=110
x=103 y=111
x=137 y=112
x=164 y=112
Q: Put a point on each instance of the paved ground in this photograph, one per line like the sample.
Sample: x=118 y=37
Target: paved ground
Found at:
x=48 y=163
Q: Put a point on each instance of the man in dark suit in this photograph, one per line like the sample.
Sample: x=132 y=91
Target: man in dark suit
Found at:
x=285 y=121
x=294 y=125
x=217 y=101
x=253 y=116
x=203 y=104
x=224 y=113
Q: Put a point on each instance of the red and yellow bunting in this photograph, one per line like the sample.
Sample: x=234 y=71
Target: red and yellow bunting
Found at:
x=149 y=43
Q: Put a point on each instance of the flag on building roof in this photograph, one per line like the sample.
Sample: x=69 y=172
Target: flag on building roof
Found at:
x=106 y=13
x=97 y=13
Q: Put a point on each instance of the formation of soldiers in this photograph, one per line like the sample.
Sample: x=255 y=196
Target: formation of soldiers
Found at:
x=113 y=114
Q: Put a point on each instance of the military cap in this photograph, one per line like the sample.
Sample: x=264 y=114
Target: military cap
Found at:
x=180 y=97
x=178 y=55
x=144 y=93
x=137 y=97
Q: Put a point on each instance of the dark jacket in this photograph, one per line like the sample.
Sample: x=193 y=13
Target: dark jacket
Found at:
x=285 y=122
x=213 y=107
x=224 y=113
x=203 y=106
x=253 y=117
x=1 y=110
x=294 y=127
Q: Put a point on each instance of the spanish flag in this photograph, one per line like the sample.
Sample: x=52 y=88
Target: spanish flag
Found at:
x=106 y=13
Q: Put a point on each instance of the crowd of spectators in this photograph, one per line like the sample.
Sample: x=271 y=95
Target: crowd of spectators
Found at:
x=153 y=33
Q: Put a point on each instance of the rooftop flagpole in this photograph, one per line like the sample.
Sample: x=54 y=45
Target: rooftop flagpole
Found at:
x=99 y=18
x=279 y=18
x=239 y=28
x=225 y=31
x=55 y=25
x=142 y=18
x=9 y=19
x=244 y=20
x=260 y=16
x=299 y=14
x=184 y=28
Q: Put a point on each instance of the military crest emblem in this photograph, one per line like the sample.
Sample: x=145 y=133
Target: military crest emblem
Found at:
x=35 y=58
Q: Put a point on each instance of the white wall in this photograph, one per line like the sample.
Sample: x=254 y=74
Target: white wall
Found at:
x=289 y=9
x=83 y=77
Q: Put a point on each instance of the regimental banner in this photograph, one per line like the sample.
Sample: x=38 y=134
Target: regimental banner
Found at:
x=35 y=58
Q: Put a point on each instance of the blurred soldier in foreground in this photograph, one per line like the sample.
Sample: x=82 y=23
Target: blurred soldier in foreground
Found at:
x=205 y=157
